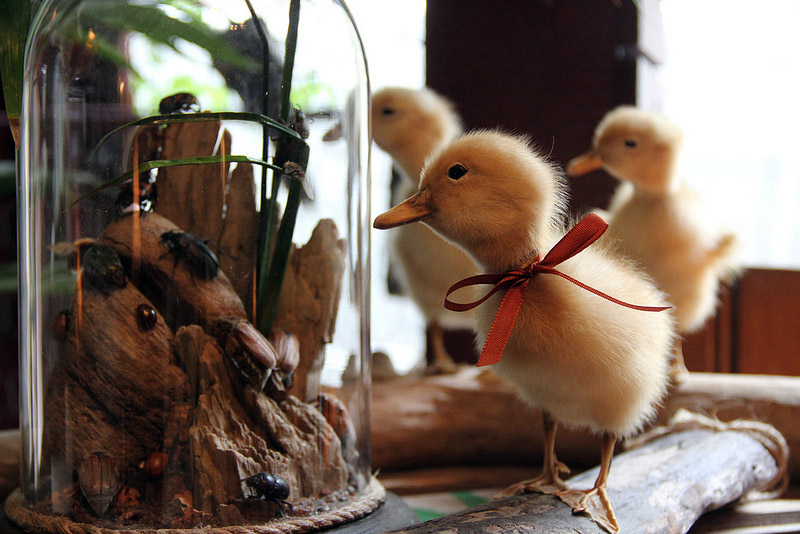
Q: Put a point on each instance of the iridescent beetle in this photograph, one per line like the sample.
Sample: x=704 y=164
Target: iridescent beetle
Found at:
x=102 y=268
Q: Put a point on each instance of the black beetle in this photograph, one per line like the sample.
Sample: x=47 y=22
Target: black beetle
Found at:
x=178 y=103
x=148 y=197
x=194 y=251
x=270 y=487
x=102 y=268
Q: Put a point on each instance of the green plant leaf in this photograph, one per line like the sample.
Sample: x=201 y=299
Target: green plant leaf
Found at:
x=159 y=27
x=159 y=163
x=14 y=25
x=158 y=120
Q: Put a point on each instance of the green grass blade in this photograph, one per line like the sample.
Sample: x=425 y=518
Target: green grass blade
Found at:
x=159 y=163
x=268 y=308
x=14 y=24
x=205 y=116
x=269 y=282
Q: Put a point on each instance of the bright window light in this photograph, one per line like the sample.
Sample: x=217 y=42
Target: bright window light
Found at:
x=731 y=81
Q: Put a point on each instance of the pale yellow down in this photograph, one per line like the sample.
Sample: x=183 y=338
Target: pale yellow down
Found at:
x=409 y=124
x=655 y=217
x=587 y=361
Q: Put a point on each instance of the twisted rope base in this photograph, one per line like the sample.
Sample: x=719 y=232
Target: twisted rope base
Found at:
x=34 y=522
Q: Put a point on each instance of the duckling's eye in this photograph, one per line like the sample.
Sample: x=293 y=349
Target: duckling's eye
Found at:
x=456 y=171
x=387 y=112
x=630 y=143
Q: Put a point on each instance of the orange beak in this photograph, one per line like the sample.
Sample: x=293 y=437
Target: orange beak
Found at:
x=583 y=164
x=411 y=210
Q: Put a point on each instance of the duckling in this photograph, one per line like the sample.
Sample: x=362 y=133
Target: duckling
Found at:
x=409 y=124
x=585 y=361
x=656 y=218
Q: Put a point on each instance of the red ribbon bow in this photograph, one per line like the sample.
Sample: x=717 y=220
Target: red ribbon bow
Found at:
x=583 y=234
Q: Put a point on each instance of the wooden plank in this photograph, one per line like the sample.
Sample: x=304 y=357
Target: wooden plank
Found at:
x=767 y=337
x=662 y=487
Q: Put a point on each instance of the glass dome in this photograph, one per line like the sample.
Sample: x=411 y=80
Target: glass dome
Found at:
x=194 y=259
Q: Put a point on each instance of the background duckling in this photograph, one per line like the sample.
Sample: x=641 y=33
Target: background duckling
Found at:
x=656 y=218
x=585 y=361
x=409 y=124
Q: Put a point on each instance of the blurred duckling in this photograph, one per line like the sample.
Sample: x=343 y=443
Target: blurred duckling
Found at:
x=656 y=218
x=585 y=361
x=409 y=124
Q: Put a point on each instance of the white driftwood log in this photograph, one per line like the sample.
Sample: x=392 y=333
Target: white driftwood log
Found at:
x=474 y=418
x=660 y=488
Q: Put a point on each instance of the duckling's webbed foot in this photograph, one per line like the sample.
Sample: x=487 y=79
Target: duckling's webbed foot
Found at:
x=548 y=482
x=542 y=484
x=594 y=502
x=677 y=366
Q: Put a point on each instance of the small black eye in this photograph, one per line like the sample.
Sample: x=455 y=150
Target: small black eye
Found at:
x=630 y=143
x=387 y=112
x=456 y=171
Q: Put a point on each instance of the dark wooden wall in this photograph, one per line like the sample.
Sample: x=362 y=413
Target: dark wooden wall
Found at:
x=549 y=69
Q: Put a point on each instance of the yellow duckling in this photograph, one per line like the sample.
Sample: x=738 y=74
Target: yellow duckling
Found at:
x=655 y=217
x=409 y=124
x=584 y=360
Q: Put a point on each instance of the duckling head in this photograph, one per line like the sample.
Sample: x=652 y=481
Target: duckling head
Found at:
x=406 y=123
x=492 y=194
x=634 y=145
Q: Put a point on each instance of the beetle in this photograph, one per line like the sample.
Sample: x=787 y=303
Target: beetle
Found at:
x=102 y=268
x=270 y=487
x=146 y=316
x=99 y=480
x=148 y=197
x=194 y=251
x=178 y=103
x=247 y=349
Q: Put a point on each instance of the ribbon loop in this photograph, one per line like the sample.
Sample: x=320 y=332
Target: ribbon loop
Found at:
x=583 y=234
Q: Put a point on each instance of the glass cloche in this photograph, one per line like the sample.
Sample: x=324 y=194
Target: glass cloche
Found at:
x=194 y=259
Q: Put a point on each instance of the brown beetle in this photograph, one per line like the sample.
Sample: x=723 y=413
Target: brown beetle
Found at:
x=146 y=316
x=247 y=349
x=155 y=464
x=98 y=478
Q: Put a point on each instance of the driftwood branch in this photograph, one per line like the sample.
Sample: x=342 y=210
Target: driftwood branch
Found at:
x=474 y=418
x=662 y=487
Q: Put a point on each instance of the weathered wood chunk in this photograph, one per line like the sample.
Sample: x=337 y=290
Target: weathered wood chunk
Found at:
x=309 y=301
x=660 y=488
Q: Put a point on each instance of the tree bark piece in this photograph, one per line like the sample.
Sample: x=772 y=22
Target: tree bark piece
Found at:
x=474 y=418
x=238 y=239
x=193 y=196
x=180 y=297
x=660 y=488
x=112 y=389
x=309 y=301
x=232 y=440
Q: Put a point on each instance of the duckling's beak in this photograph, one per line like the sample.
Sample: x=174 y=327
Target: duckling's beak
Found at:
x=408 y=211
x=583 y=164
